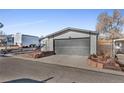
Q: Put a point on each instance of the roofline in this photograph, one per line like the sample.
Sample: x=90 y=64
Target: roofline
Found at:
x=71 y=28
x=25 y=35
x=29 y=35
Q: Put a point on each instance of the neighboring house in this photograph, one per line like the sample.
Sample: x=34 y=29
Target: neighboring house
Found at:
x=25 y=40
x=71 y=41
x=118 y=45
x=10 y=40
x=19 y=39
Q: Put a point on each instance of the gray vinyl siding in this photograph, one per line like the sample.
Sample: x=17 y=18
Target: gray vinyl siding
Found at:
x=93 y=44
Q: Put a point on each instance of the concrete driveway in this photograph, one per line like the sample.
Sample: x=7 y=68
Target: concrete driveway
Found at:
x=70 y=61
x=75 y=61
x=66 y=60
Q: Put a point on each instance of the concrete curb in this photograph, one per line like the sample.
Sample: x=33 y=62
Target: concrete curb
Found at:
x=86 y=68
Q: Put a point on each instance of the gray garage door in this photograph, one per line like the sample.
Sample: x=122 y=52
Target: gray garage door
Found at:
x=73 y=46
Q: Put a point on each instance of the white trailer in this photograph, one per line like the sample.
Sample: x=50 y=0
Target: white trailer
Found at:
x=25 y=40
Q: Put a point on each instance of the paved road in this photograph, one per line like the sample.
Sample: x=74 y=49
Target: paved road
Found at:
x=13 y=69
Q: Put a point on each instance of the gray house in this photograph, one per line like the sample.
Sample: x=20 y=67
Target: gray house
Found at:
x=71 y=41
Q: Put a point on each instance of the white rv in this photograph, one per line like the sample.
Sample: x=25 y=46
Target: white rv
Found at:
x=25 y=40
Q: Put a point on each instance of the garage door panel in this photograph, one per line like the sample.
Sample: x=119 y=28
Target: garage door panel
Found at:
x=73 y=51
x=72 y=46
x=74 y=42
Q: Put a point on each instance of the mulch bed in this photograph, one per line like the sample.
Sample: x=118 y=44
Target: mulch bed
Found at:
x=38 y=54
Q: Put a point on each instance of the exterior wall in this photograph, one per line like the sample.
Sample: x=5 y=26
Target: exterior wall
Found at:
x=49 y=41
x=93 y=44
x=18 y=39
x=10 y=40
x=28 y=40
x=50 y=44
x=71 y=34
x=45 y=43
x=118 y=47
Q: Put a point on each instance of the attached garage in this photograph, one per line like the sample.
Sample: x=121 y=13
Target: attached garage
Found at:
x=77 y=46
x=71 y=41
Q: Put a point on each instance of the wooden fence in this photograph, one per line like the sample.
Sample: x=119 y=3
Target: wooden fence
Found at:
x=104 y=47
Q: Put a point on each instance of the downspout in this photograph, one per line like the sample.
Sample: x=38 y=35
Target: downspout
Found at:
x=53 y=44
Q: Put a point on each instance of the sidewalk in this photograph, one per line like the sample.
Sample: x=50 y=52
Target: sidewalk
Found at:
x=70 y=61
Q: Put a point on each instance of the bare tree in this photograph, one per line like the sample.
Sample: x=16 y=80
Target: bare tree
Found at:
x=2 y=37
x=111 y=25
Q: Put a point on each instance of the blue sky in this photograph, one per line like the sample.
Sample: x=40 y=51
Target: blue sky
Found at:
x=42 y=22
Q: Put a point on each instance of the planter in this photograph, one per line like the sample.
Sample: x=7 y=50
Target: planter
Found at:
x=42 y=54
x=95 y=63
x=100 y=65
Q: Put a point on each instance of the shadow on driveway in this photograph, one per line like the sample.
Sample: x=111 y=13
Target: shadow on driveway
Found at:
x=26 y=80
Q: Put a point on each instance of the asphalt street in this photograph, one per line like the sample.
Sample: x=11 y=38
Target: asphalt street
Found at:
x=12 y=69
